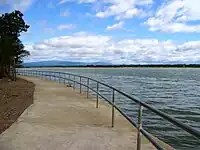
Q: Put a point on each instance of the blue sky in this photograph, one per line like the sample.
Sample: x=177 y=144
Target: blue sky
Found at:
x=116 y=31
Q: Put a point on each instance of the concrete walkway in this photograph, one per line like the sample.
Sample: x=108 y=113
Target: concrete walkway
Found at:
x=62 y=119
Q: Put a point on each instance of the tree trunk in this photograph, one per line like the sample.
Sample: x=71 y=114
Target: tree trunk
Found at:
x=2 y=71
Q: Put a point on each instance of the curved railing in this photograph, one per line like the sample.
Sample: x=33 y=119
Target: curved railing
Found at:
x=74 y=79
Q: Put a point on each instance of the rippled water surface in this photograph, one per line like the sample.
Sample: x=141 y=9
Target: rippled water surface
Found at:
x=173 y=91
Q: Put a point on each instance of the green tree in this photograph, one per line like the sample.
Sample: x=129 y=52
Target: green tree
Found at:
x=11 y=48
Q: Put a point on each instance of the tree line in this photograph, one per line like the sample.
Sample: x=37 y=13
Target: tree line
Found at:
x=121 y=66
x=12 y=50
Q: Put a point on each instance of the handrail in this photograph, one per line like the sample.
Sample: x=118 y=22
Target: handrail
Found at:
x=192 y=131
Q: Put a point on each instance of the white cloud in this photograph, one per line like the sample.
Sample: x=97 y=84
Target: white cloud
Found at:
x=49 y=30
x=122 y=9
x=118 y=8
x=46 y=28
x=87 y=47
x=21 y=5
x=66 y=26
x=87 y=1
x=176 y=16
x=144 y=2
x=64 y=1
x=116 y=26
x=78 y=1
x=65 y=13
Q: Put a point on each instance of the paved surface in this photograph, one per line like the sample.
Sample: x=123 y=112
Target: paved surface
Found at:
x=62 y=119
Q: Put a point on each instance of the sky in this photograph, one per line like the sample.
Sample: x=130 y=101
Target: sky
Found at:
x=114 y=31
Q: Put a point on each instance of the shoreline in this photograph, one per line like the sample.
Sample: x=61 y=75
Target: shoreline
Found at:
x=85 y=67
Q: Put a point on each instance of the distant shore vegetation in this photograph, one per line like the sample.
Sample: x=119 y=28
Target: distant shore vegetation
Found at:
x=123 y=66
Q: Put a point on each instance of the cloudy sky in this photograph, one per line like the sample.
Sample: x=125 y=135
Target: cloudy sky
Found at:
x=116 y=31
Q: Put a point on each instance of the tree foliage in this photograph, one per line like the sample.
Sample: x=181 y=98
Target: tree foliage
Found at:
x=11 y=48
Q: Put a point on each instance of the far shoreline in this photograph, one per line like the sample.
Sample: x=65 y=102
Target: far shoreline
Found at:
x=85 y=67
x=116 y=66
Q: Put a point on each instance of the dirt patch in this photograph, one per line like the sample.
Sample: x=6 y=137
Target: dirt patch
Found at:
x=15 y=97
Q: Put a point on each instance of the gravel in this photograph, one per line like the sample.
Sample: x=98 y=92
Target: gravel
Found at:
x=15 y=97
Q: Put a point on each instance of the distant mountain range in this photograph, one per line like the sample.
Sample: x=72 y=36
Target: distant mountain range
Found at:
x=62 y=63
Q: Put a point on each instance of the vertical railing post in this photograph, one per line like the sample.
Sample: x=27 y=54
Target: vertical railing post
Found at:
x=113 y=108
x=59 y=77
x=139 y=127
x=88 y=87
x=64 y=78
x=80 y=85
x=97 y=102
x=68 y=79
x=74 y=82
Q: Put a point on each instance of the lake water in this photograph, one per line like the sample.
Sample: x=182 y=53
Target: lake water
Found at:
x=173 y=91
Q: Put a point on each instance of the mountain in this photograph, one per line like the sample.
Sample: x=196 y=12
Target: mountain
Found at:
x=61 y=63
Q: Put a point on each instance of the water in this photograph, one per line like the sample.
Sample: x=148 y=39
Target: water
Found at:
x=173 y=91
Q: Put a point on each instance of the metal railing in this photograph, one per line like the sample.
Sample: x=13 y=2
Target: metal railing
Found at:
x=73 y=79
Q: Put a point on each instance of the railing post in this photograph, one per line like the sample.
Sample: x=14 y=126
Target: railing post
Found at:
x=80 y=85
x=68 y=79
x=64 y=78
x=113 y=108
x=87 y=87
x=74 y=82
x=59 y=77
x=139 y=127
x=97 y=102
